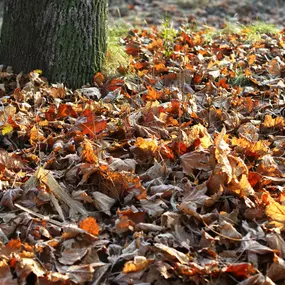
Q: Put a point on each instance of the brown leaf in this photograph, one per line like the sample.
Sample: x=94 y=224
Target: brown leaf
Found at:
x=9 y=197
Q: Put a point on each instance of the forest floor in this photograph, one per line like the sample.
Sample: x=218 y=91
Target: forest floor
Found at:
x=172 y=171
x=202 y=12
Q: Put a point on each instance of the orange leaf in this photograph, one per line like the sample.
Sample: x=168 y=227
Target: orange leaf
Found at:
x=276 y=212
x=124 y=225
x=18 y=95
x=197 y=78
x=14 y=244
x=274 y=68
x=98 y=78
x=88 y=152
x=113 y=84
x=176 y=107
x=160 y=67
x=247 y=72
x=140 y=65
x=139 y=263
x=92 y=126
x=90 y=225
x=12 y=122
x=166 y=152
x=241 y=269
x=251 y=59
x=223 y=83
x=187 y=39
x=65 y=110
x=50 y=114
x=152 y=94
x=133 y=49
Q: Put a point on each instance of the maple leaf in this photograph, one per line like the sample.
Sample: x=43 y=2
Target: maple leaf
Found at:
x=89 y=124
x=65 y=110
x=276 y=212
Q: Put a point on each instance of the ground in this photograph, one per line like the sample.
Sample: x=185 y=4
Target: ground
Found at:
x=213 y=13
x=171 y=171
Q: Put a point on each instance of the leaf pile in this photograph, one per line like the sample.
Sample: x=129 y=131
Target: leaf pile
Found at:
x=171 y=173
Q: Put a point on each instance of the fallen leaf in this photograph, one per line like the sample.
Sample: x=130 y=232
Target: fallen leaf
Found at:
x=90 y=225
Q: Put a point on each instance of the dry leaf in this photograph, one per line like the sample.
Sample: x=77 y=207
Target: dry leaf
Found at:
x=90 y=225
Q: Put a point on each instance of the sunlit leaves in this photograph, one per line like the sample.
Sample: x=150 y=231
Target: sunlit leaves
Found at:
x=181 y=159
x=36 y=135
x=241 y=269
x=89 y=124
x=88 y=152
x=90 y=225
x=139 y=263
x=278 y=122
x=152 y=94
x=65 y=110
x=7 y=129
x=276 y=212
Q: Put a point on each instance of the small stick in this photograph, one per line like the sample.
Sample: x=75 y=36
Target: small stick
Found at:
x=40 y=216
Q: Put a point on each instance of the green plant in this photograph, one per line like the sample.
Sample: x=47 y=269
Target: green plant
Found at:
x=255 y=31
x=168 y=34
x=262 y=28
x=240 y=79
x=116 y=55
x=252 y=32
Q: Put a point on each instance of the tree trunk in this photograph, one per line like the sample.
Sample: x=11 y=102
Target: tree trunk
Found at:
x=64 y=38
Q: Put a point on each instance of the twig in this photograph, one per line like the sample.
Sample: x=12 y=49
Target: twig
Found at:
x=40 y=216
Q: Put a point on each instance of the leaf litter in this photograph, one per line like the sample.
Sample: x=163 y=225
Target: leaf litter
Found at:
x=171 y=172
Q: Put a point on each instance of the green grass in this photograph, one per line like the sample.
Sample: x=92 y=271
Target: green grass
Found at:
x=116 y=55
x=252 y=32
x=168 y=33
x=263 y=28
x=240 y=79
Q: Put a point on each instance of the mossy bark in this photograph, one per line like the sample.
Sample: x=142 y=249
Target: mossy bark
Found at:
x=64 y=38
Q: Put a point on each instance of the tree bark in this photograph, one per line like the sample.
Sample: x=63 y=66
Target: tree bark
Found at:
x=64 y=38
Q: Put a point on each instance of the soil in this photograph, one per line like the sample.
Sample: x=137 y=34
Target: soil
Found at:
x=203 y=12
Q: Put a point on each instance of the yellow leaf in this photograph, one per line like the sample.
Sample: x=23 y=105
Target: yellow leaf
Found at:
x=38 y=71
x=88 y=153
x=276 y=212
x=147 y=145
x=7 y=129
x=139 y=263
